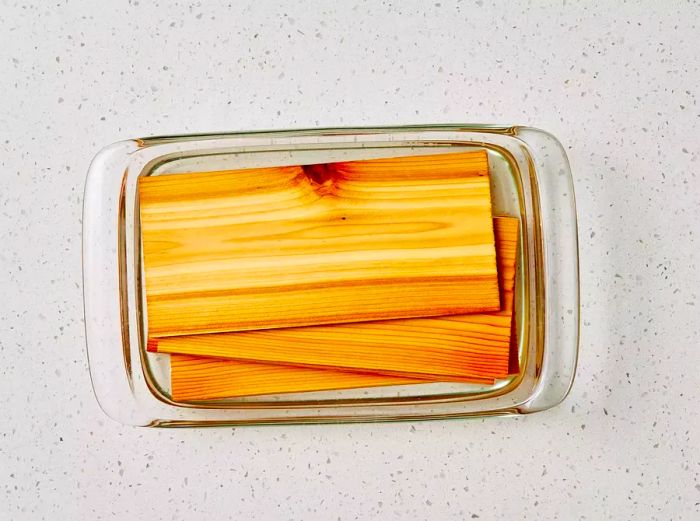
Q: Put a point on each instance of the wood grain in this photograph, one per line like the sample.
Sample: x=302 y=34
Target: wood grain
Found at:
x=468 y=347
x=201 y=378
x=297 y=246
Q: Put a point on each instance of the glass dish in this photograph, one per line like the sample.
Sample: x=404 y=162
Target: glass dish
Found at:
x=530 y=177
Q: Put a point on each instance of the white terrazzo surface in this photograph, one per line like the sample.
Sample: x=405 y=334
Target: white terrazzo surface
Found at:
x=617 y=82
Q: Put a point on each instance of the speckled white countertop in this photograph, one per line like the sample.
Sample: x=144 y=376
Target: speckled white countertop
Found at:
x=618 y=86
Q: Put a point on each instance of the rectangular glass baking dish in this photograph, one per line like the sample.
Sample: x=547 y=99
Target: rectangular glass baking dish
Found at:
x=530 y=179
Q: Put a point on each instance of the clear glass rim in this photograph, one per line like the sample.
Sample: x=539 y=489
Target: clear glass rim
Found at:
x=530 y=405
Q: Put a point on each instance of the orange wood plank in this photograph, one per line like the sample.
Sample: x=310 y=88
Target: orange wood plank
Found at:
x=462 y=346
x=302 y=246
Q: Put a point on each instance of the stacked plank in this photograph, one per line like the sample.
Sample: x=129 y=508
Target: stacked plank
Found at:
x=341 y=275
